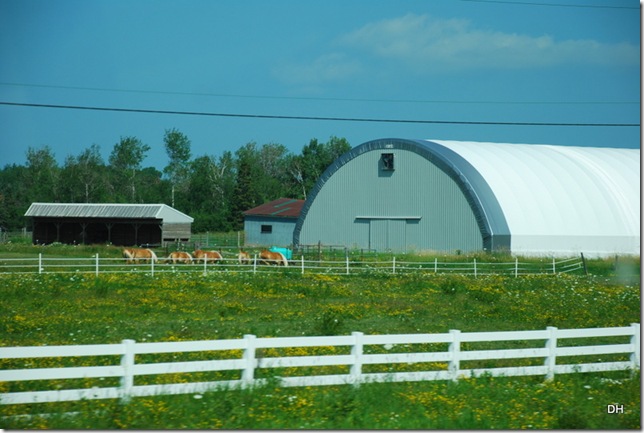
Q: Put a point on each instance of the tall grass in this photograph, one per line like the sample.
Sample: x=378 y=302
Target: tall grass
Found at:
x=83 y=309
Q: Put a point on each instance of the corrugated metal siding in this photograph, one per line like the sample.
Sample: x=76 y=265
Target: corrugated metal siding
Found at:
x=416 y=188
x=281 y=234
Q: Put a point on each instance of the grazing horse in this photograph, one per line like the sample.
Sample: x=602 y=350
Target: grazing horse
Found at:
x=210 y=256
x=243 y=257
x=270 y=257
x=136 y=255
x=179 y=257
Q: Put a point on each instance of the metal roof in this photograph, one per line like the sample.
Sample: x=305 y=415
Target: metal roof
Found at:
x=108 y=210
x=282 y=208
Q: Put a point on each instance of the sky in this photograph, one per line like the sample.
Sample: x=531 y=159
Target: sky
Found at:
x=471 y=70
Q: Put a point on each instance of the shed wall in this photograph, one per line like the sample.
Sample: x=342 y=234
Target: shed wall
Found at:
x=417 y=206
x=281 y=231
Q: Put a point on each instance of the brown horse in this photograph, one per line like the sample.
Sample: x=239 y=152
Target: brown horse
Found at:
x=137 y=255
x=206 y=256
x=243 y=257
x=179 y=257
x=270 y=257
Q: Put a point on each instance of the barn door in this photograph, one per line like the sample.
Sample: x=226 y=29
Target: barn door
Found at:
x=388 y=234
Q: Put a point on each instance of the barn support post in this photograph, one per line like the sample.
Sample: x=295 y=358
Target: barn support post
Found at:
x=551 y=358
x=455 y=353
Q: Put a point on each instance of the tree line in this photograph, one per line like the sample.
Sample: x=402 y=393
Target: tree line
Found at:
x=214 y=190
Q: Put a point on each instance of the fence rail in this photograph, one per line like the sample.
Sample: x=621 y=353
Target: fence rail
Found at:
x=446 y=356
x=98 y=265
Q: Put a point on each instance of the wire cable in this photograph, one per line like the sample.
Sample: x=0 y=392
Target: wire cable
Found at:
x=319 y=118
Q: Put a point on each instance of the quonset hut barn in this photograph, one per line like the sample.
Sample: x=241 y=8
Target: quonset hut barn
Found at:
x=98 y=223
x=413 y=195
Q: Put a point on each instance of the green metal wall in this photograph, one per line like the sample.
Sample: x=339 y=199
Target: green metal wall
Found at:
x=415 y=207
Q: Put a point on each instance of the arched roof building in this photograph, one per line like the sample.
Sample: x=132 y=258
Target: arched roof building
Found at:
x=402 y=195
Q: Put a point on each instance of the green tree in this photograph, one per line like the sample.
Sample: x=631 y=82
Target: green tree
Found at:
x=83 y=178
x=177 y=146
x=125 y=162
x=42 y=175
x=305 y=169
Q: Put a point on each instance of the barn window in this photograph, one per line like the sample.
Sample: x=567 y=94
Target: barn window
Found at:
x=266 y=228
x=387 y=161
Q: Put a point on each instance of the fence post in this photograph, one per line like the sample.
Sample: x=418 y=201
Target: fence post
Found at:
x=40 y=263
x=127 y=362
x=248 y=375
x=302 y=261
x=474 y=267
x=152 y=265
x=347 y=257
x=554 y=266
x=516 y=267
x=551 y=358
x=635 y=341
x=255 y=264
x=435 y=265
x=394 y=265
x=455 y=353
x=97 y=264
x=205 y=264
x=356 y=352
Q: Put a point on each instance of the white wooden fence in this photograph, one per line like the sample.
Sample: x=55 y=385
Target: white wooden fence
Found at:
x=96 y=265
x=552 y=351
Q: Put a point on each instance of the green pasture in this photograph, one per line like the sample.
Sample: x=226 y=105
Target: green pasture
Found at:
x=79 y=308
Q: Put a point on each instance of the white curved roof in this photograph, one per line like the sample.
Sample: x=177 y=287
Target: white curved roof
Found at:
x=561 y=199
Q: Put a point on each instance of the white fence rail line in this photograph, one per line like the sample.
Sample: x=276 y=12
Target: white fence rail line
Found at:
x=357 y=359
x=43 y=264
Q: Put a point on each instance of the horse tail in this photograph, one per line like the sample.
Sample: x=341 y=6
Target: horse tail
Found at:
x=284 y=259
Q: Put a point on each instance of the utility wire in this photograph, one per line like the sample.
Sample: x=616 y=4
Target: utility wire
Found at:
x=338 y=119
x=314 y=98
x=564 y=5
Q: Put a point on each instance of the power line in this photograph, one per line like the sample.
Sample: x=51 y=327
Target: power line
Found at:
x=565 y=5
x=314 y=98
x=319 y=118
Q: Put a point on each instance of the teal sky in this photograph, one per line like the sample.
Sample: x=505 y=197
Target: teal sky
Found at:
x=550 y=61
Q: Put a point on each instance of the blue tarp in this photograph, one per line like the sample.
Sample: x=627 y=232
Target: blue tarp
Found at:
x=288 y=254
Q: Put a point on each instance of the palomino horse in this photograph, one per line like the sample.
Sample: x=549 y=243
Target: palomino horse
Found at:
x=270 y=257
x=179 y=257
x=135 y=255
x=206 y=256
x=243 y=257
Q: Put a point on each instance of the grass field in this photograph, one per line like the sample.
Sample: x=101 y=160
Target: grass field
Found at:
x=82 y=309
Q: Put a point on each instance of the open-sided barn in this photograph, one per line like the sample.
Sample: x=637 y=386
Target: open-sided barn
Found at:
x=98 y=223
x=402 y=195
